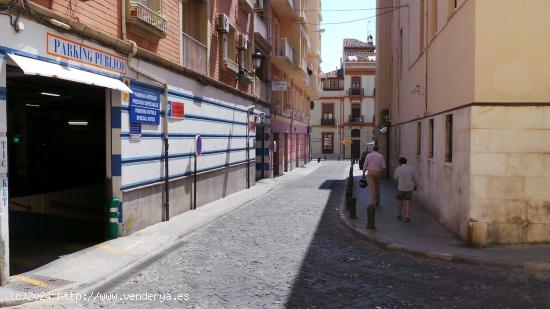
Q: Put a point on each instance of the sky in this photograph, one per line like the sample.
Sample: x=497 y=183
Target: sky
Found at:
x=332 y=38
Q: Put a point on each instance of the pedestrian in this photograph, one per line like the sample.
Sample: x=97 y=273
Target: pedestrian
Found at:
x=373 y=166
x=406 y=184
x=362 y=160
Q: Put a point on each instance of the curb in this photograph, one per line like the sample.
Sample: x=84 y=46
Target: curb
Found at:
x=538 y=269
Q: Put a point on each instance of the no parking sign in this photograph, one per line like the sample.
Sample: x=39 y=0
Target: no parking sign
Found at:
x=198 y=145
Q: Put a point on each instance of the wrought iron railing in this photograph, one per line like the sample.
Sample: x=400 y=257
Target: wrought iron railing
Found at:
x=328 y=121
x=356 y=119
x=145 y=14
x=356 y=91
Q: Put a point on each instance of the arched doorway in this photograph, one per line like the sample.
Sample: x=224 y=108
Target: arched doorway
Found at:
x=356 y=143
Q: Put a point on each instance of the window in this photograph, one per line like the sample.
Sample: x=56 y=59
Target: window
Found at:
x=194 y=35
x=422 y=32
x=433 y=23
x=328 y=142
x=229 y=44
x=400 y=68
x=355 y=133
x=334 y=84
x=453 y=4
x=418 y=138
x=327 y=117
x=355 y=82
x=431 y=139
x=449 y=138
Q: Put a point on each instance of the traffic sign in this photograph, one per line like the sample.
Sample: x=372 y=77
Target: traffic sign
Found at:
x=198 y=145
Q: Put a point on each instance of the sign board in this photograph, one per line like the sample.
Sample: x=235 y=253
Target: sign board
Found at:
x=198 y=145
x=145 y=105
x=3 y=155
x=67 y=49
x=279 y=85
x=252 y=124
x=347 y=142
x=135 y=131
x=176 y=110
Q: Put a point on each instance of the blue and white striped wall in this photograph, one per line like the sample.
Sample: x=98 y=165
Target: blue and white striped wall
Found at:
x=222 y=126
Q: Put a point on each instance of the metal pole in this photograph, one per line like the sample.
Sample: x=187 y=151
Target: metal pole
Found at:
x=166 y=158
x=247 y=149
x=195 y=183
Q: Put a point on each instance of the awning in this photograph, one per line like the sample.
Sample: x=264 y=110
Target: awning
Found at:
x=42 y=68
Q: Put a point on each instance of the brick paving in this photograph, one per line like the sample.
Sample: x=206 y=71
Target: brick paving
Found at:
x=288 y=249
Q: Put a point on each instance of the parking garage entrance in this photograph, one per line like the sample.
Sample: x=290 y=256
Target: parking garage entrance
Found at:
x=56 y=168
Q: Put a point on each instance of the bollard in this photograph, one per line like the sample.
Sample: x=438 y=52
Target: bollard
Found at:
x=112 y=225
x=319 y=160
x=352 y=209
x=370 y=218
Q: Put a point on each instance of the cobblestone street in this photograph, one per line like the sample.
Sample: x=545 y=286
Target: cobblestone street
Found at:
x=288 y=249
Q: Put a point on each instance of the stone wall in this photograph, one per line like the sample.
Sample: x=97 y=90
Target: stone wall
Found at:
x=443 y=187
x=511 y=174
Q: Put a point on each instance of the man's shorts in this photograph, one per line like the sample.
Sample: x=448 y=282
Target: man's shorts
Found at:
x=404 y=195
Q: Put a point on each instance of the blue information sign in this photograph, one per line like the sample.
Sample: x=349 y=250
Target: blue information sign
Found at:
x=145 y=105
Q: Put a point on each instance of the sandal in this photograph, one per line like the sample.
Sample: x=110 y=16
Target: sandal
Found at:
x=400 y=218
x=408 y=220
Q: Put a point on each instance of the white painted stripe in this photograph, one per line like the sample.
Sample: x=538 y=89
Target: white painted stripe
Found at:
x=113 y=209
x=113 y=220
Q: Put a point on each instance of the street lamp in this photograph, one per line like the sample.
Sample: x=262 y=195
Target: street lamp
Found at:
x=257 y=63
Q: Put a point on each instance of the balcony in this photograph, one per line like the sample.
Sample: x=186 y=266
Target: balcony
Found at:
x=328 y=121
x=356 y=119
x=247 y=5
x=284 y=8
x=332 y=88
x=194 y=54
x=302 y=15
x=356 y=91
x=260 y=31
x=284 y=56
x=146 y=19
x=262 y=90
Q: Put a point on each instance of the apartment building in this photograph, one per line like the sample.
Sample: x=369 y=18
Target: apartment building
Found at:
x=295 y=61
x=463 y=87
x=343 y=117
x=102 y=103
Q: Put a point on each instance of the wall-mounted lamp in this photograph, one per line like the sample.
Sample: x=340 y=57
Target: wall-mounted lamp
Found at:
x=256 y=64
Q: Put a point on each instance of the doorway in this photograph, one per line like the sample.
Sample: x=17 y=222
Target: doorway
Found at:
x=276 y=154
x=355 y=149
x=57 y=168
x=285 y=153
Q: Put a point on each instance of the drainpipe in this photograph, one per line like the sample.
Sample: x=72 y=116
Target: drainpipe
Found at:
x=162 y=82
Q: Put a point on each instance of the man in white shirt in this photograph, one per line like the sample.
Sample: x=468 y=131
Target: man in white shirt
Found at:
x=373 y=166
x=406 y=184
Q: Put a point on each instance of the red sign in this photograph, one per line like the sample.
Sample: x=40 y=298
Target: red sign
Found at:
x=177 y=110
x=252 y=124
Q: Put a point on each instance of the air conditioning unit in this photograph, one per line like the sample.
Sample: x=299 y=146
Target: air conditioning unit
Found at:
x=260 y=5
x=243 y=41
x=223 y=23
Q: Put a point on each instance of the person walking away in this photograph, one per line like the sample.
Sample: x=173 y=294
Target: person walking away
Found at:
x=373 y=166
x=362 y=160
x=406 y=184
